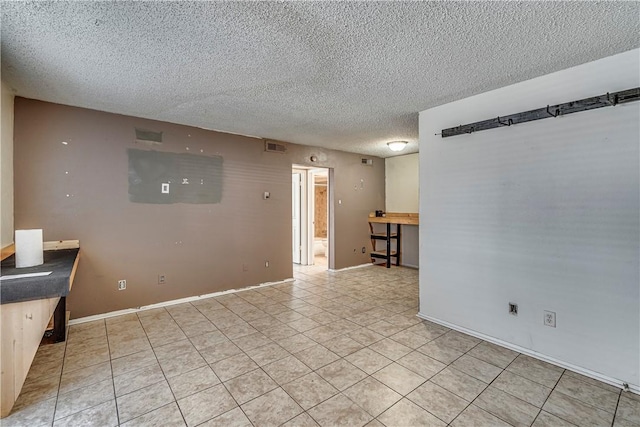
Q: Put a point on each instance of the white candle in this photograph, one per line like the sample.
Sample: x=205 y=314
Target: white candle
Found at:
x=28 y=248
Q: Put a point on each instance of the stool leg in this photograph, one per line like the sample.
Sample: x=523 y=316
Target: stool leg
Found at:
x=388 y=245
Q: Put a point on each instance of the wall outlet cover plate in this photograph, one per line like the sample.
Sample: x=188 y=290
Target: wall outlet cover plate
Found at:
x=550 y=318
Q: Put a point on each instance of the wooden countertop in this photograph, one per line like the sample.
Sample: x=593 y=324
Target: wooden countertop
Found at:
x=395 y=218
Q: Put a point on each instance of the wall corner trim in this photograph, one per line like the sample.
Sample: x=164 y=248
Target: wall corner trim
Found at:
x=170 y=303
x=634 y=388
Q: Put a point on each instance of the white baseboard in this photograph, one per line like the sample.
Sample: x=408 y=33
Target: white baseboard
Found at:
x=350 y=268
x=170 y=303
x=586 y=372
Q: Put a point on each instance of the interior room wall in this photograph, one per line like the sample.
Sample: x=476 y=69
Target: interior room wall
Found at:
x=401 y=190
x=320 y=211
x=402 y=182
x=79 y=190
x=544 y=214
x=6 y=162
x=355 y=190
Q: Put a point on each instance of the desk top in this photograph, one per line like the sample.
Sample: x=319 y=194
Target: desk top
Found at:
x=395 y=218
x=62 y=265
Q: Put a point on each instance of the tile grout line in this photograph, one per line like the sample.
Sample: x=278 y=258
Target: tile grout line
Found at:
x=64 y=355
x=153 y=348
x=163 y=374
x=492 y=381
x=619 y=393
x=340 y=392
x=549 y=395
x=615 y=412
x=292 y=354
x=453 y=367
x=253 y=370
x=305 y=411
x=373 y=301
x=113 y=378
x=85 y=386
x=236 y=401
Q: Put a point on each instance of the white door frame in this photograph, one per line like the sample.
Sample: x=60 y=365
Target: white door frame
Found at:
x=307 y=201
x=296 y=216
x=304 y=216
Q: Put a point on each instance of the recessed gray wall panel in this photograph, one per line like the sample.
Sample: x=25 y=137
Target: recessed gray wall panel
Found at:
x=165 y=178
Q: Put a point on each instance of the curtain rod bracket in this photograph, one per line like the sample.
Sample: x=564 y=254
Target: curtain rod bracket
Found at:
x=557 y=113
x=507 y=123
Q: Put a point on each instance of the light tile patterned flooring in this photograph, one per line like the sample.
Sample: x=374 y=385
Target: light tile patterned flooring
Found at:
x=330 y=349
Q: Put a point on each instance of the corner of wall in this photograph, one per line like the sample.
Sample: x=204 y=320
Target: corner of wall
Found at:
x=6 y=162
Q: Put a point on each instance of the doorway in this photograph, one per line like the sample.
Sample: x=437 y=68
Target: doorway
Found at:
x=311 y=216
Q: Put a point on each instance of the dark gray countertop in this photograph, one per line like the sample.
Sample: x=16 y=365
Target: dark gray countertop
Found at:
x=56 y=284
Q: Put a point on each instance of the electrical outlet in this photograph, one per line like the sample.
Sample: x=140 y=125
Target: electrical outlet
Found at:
x=550 y=319
x=122 y=285
x=513 y=308
x=266 y=264
x=162 y=279
x=245 y=267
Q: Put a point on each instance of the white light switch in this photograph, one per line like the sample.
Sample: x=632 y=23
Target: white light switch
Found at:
x=267 y=195
x=165 y=188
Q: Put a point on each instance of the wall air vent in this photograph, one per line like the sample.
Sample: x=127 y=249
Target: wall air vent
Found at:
x=148 y=137
x=274 y=147
x=367 y=162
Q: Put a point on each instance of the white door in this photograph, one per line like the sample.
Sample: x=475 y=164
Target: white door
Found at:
x=296 y=216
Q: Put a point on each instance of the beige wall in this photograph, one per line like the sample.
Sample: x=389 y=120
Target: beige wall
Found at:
x=6 y=162
x=401 y=189
x=321 y=227
x=401 y=183
x=80 y=191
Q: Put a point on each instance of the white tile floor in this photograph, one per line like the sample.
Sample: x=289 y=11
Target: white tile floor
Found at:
x=329 y=349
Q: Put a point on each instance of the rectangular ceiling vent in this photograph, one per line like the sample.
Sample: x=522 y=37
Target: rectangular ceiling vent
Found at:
x=274 y=147
x=367 y=162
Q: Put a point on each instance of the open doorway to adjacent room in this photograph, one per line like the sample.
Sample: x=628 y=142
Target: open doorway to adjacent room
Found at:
x=311 y=216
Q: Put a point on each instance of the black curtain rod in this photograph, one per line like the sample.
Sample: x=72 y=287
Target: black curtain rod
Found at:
x=606 y=100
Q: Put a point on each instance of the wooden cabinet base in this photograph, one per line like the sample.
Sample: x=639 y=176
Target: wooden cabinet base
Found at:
x=22 y=326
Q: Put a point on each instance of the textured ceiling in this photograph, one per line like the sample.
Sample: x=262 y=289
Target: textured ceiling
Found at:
x=343 y=75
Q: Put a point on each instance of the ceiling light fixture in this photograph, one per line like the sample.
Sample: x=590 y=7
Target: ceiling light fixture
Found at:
x=397 y=145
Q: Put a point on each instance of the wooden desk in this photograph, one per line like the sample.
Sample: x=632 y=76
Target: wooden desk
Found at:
x=23 y=325
x=398 y=219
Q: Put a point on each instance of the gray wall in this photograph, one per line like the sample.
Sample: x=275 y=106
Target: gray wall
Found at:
x=545 y=214
x=80 y=191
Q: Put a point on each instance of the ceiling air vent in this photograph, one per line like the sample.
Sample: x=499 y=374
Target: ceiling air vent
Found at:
x=367 y=162
x=274 y=147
